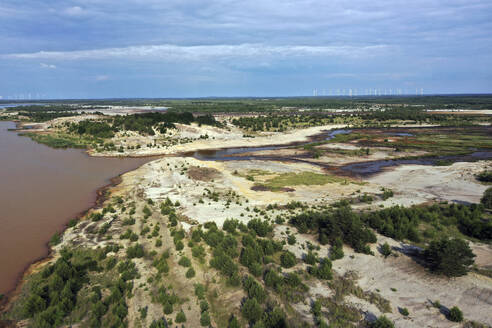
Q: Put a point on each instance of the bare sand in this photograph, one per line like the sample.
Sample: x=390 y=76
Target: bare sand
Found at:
x=415 y=184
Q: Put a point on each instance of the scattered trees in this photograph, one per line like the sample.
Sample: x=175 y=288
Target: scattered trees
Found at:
x=341 y=223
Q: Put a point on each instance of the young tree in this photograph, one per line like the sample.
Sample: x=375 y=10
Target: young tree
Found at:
x=180 y=317
x=252 y=310
x=382 y=322
x=451 y=257
x=455 y=314
x=385 y=250
x=287 y=259
x=487 y=198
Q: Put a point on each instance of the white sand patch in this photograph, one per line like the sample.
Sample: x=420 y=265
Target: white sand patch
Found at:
x=420 y=183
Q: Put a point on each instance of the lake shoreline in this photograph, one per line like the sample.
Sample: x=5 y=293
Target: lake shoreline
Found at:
x=95 y=198
x=11 y=295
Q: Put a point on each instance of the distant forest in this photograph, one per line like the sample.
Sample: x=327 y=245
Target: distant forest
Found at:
x=273 y=104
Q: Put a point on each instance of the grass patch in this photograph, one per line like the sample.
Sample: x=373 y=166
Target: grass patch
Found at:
x=283 y=180
x=59 y=140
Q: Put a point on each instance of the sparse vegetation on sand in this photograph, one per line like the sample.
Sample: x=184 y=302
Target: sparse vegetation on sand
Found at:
x=284 y=180
x=255 y=243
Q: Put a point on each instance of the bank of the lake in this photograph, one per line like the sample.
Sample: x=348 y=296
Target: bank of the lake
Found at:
x=41 y=190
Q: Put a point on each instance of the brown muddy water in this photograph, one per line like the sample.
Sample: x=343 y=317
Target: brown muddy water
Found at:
x=41 y=189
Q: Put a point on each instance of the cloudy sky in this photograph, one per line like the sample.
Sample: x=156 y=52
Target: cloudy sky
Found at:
x=195 y=48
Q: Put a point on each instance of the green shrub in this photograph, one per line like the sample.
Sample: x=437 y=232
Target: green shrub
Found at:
x=230 y=225
x=55 y=239
x=179 y=245
x=451 y=257
x=203 y=306
x=135 y=251
x=310 y=258
x=291 y=240
x=198 y=251
x=254 y=289
x=205 y=319
x=190 y=273
x=485 y=176
x=404 y=311
x=287 y=259
x=455 y=314
x=180 y=317
x=184 y=261
x=252 y=310
x=200 y=291
x=233 y=322
x=487 y=198
x=382 y=322
x=385 y=250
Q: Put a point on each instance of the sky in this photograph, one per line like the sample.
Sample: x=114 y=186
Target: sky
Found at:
x=202 y=48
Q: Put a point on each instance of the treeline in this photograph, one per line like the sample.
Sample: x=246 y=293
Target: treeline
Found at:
x=416 y=115
x=144 y=123
x=397 y=222
x=43 y=113
x=43 y=116
x=141 y=123
x=98 y=129
x=341 y=223
x=402 y=223
x=281 y=122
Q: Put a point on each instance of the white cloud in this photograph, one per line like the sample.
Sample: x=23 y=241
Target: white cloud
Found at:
x=48 y=66
x=102 y=77
x=178 y=53
x=74 y=11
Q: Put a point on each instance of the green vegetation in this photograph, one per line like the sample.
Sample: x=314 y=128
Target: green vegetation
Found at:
x=382 y=322
x=55 y=239
x=180 y=317
x=455 y=314
x=487 y=201
x=402 y=223
x=283 y=180
x=451 y=257
x=59 y=140
x=93 y=128
x=485 y=176
x=386 y=250
x=340 y=223
x=404 y=311
x=287 y=259
x=58 y=295
x=141 y=123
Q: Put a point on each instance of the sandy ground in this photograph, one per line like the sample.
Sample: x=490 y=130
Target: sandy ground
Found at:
x=217 y=138
x=414 y=288
x=195 y=184
x=404 y=283
x=415 y=184
x=167 y=177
